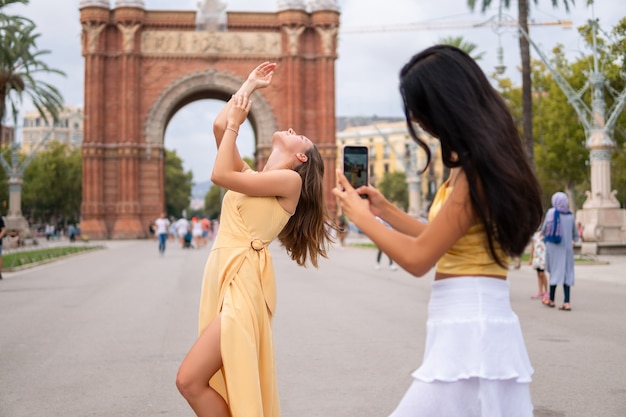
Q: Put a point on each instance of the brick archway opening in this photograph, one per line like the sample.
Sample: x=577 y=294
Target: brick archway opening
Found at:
x=142 y=66
x=210 y=84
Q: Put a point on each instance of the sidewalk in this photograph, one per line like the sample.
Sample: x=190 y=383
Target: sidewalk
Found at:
x=102 y=334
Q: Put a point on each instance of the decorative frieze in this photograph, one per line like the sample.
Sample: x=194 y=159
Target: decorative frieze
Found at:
x=210 y=43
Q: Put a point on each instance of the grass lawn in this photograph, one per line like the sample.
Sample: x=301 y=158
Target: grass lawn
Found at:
x=25 y=257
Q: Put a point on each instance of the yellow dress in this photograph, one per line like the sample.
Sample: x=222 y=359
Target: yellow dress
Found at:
x=239 y=283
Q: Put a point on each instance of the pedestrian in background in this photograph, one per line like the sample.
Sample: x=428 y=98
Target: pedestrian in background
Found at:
x=559 y=229
x=182 y=229
x=342 y=229
x=537 y=258
x=206 y=229
x=475 y=361
x=161 y=226
x=196 y=231
x=3 y=232
x=380 y=252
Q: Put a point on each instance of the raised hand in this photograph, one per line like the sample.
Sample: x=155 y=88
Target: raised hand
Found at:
x=238 y=111
x=261 y=76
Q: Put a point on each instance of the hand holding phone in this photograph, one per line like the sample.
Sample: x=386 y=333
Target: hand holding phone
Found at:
x=355 y=165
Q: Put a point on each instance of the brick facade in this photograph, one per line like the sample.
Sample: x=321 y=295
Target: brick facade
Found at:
x=142 y=66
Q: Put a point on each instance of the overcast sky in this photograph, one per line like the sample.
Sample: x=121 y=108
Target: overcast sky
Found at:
x=368 y=64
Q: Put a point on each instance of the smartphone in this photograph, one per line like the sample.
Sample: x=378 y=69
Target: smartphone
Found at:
x=356 y=165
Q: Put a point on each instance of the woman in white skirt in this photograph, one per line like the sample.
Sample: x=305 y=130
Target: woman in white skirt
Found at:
x=475 y=361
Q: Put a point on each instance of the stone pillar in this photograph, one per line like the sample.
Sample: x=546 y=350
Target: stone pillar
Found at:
x=127 y=208
x=414 y=181
x=14 y=219
x=294 y=22
x=93 y=18
x=326 y=23
x=601 y=216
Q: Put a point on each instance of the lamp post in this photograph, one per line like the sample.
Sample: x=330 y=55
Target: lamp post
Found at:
x=601 y=216
x=15 y=171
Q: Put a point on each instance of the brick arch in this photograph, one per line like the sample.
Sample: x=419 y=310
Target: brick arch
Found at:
x=142 y=66
x=208 y=84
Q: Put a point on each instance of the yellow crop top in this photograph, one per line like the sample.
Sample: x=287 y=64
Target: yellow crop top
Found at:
x=470 y=254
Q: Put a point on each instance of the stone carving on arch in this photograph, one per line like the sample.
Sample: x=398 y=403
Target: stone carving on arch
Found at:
x=261 y=116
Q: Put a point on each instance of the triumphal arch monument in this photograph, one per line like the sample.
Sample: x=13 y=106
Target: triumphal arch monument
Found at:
x=142 y=66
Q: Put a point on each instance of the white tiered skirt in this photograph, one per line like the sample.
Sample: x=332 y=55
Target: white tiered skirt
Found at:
x=475 y=361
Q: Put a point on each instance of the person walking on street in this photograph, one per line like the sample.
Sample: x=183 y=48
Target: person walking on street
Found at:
x=182 y=228
x=537 y=259
x=3 y=232
x=161 y=226
x=230 y=369
x=560 y=233
x=380 y=252
x=475 y=362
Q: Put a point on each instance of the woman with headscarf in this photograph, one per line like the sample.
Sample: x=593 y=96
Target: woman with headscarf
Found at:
x=559 y=230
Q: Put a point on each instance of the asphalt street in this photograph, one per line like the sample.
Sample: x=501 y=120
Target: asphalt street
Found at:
x=103 y=333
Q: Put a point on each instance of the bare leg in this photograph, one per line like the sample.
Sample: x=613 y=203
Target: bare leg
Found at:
x=201 y=363
x=543 y=282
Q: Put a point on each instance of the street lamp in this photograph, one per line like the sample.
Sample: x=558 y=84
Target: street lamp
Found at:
x=601 y=216
x=15 y=172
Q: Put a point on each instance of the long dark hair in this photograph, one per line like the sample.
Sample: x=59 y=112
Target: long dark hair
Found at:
x=448 y=95
x=307 y=233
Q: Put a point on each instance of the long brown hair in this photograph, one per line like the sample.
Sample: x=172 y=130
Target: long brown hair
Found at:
x=307 y=233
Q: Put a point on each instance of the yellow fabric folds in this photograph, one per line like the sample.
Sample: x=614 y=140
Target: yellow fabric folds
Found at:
x=239 y=283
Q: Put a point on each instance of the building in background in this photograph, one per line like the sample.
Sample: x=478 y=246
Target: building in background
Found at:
x=68 y=129
x=392 y=149
x=8 y=136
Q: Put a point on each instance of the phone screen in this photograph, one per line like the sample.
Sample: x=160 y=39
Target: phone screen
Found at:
x=355 y=165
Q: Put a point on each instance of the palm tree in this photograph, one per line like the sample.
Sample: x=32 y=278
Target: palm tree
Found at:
x=8 y=20
x=462 y=44
x=20 y=63
x=524 y=46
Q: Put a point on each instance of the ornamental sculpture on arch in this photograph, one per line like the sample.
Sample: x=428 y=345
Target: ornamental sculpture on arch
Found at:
x=142 y=66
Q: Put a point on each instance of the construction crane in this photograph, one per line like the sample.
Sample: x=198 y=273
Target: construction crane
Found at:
x=496 y=23
x=493 y=23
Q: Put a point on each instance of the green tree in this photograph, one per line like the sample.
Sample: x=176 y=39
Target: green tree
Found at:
x=395 y=189
x=616 y=74
x=7 y=21
x=522 y=22
x=20 y=64
x=561 y=154
x=177 y=185
x=53 y=184
x=462 y=44
x=4 y=185
x=213 y=201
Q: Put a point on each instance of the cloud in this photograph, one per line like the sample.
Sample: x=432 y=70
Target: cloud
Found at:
x=368 y=65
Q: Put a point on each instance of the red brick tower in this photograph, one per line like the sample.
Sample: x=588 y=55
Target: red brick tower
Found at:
x=142 y=66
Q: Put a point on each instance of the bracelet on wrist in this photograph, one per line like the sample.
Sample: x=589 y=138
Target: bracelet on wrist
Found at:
x=234 y=130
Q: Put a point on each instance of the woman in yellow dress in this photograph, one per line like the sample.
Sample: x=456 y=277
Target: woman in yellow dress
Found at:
x=230 y=369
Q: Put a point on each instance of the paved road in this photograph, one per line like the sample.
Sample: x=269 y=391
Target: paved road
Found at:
x=102 y=334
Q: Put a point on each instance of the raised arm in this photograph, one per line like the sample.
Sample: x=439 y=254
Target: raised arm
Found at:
x=260 y=77
x=417 y=254
x=397 y=219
